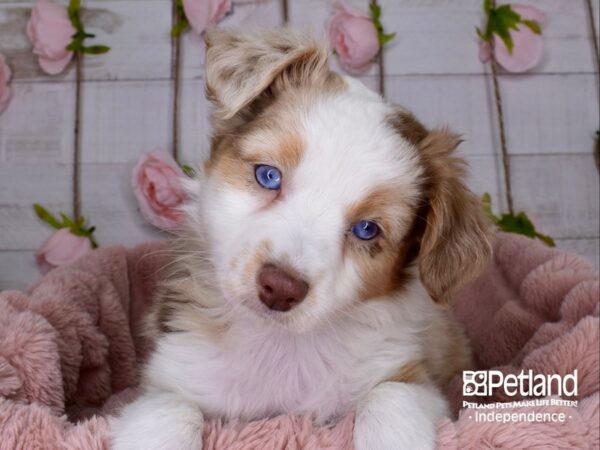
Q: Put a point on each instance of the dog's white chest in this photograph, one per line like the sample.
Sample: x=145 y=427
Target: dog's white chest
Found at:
x=255 y=375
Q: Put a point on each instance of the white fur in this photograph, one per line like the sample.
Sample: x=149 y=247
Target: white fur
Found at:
x=398 y=416
x=158 y=420
x=331 y=352
x=349 y=150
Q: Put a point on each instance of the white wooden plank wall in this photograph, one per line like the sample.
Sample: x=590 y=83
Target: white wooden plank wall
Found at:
x=431 y=67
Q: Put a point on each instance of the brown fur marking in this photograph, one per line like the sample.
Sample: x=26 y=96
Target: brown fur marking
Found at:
x=412 y=372
x=455 y=246
x=405 y=124
x=383 y=261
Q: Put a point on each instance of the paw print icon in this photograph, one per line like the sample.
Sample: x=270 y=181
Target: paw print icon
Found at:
x=474 y=383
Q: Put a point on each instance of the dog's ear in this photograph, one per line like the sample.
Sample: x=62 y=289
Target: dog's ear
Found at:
x=242 y=66
x=455 y=243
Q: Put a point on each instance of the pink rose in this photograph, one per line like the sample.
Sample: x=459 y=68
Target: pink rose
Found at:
x=4 y=79
x=201 y=13
x=157 y=186
x=62 y=247
x=528 y=47
x=354 y=37
x=50 y=30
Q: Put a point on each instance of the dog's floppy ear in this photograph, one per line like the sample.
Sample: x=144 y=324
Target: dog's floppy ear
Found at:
x=455 y=243
x=242 y=66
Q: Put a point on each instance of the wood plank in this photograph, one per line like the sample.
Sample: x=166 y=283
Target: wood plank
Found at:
x=122 y=120
x=36 y=141
x=138 y=37
x=25 y=184
x=559 y=192
x=21 y=229
x=313 y=15
x=245 y=14
x=37 y=126
x=17 y=269
x=436 y=37
x=195 y=128
x=588 y=248
x=550 y=113
x=432 y=37
x=566 y=38
x=485 y=175
x=109 y=204
x=460 y=102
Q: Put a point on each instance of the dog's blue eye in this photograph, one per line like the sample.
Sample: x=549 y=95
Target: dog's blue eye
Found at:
x=365 y=230
x=268 y=177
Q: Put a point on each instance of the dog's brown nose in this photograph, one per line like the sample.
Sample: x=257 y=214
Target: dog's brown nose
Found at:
x=278 y=290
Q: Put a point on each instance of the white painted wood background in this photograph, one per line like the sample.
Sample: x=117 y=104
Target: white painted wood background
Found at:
x=431 y=67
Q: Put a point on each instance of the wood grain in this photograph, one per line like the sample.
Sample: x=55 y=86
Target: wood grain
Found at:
x=137 y=33
x=439 y=37
x=431 y=68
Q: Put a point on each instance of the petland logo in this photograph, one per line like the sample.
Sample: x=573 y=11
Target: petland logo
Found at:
x=526 y=384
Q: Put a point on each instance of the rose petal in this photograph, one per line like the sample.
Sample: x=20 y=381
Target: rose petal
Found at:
x=201 y=13
x=485 y=52
x=528 y=47
x=156 y=181
x=50 y=31
x=5 y=91
x=354 y=37
x=62 y=247
x=350 y=10
x=55 y=66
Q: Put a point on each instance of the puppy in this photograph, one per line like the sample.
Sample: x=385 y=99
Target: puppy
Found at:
x=325 y=235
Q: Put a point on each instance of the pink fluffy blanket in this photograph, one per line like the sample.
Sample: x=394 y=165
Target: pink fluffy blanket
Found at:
x=70 y=348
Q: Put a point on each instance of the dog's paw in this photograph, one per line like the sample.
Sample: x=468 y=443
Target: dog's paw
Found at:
x=398 y=416
x=157 y=421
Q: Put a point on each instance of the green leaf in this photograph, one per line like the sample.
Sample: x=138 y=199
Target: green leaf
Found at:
x=480 y=34
x=95 y=50
x=67 y=221
x=74 y=45
x=507 y=17
x=532 y=25
x=375 y=12
x=73 y=12
x=179 y=27
x=487 y=6
x=74 y=6
x=45 y=216
x=80 y=222
x=546 y=239
x=486 y=200
x=517 y=223
x=382 y=37
x=385 y=38
x=501 y=20
x=188 y=170
x=514 y=223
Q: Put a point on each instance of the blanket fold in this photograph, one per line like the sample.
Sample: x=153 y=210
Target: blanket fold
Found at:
x=71 y=346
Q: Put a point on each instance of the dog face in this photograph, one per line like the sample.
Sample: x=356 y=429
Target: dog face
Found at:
x=318 y=194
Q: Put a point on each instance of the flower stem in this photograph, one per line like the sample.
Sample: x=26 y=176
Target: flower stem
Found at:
x=176 y=45
x=380 y=64
x=77 y=137
x=501 y=126
x=502 y=131
x=285 y=11
x=594 y=37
